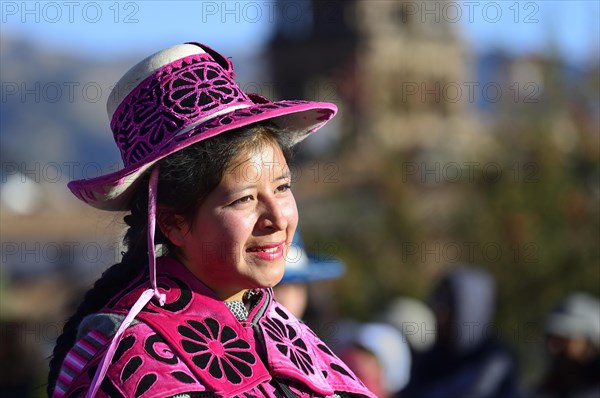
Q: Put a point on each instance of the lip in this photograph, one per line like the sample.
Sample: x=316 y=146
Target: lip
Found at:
x=268 y=252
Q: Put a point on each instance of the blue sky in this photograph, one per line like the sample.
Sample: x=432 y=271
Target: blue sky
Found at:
x=118 y=28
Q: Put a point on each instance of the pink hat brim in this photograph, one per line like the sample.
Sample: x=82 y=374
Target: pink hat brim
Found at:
x=113 y=191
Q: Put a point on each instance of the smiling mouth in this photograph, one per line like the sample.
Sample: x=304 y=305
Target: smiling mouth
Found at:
x=264 y=250
x=268 y=252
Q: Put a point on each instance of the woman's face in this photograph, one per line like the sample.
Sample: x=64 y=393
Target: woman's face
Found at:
x=243 y=229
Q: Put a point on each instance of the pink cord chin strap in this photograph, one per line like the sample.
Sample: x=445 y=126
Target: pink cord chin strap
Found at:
x=144 y=298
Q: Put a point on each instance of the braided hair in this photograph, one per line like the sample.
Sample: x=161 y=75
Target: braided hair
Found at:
x=186 y=178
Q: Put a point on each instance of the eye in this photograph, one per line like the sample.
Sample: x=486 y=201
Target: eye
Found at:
x=284 y=187
x=245 y=199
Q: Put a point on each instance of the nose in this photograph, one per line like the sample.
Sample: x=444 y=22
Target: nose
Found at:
x=273 y=215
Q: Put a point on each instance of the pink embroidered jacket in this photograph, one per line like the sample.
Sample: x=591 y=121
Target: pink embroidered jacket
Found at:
x=195 y=344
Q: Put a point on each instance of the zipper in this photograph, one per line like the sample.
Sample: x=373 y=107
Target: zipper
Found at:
x=258 y=333
x=285 y=390
x=260 y=342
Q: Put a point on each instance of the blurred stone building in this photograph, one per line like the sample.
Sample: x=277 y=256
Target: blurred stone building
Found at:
x=399 y=71
x=405 y=83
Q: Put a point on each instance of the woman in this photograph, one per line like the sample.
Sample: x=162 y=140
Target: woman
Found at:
x=207 y=164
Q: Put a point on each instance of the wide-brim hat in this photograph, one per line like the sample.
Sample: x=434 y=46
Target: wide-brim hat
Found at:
x=301 y=267
x=175 y=98
x=576 y=316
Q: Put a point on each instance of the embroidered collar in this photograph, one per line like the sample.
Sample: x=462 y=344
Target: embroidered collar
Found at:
x=222 y=352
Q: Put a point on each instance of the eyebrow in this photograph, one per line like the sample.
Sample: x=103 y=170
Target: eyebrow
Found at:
x=284 y=176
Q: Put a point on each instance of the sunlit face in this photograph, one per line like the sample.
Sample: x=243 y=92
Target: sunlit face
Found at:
x=242 y=230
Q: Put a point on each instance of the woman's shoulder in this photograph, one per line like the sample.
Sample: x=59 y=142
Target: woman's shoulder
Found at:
x=104 y=323
x=295 y=351
x=143 y=362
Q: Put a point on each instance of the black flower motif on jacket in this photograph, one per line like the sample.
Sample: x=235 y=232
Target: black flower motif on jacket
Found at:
x=217 y=348
x=288 y=342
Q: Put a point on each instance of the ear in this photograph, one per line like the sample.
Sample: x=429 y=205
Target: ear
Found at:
x=173 y=226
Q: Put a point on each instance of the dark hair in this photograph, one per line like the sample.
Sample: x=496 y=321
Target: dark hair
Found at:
x=185 y=179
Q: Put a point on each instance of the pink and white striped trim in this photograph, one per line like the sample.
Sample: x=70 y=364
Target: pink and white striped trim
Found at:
x=76 y=359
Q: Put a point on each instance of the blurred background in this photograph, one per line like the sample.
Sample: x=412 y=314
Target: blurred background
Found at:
x=467 y=133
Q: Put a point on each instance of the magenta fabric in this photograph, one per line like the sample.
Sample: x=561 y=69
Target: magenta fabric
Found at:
x=194 y=343
x=170 y=100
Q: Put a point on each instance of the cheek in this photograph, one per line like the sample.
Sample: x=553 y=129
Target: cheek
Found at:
x=218 y=233
x=237 y=226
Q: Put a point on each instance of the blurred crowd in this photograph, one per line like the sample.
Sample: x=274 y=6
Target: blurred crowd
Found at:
x=447 y=345
x=443 y=346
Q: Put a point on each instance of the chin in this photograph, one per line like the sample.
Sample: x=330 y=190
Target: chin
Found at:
x=271 y=282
